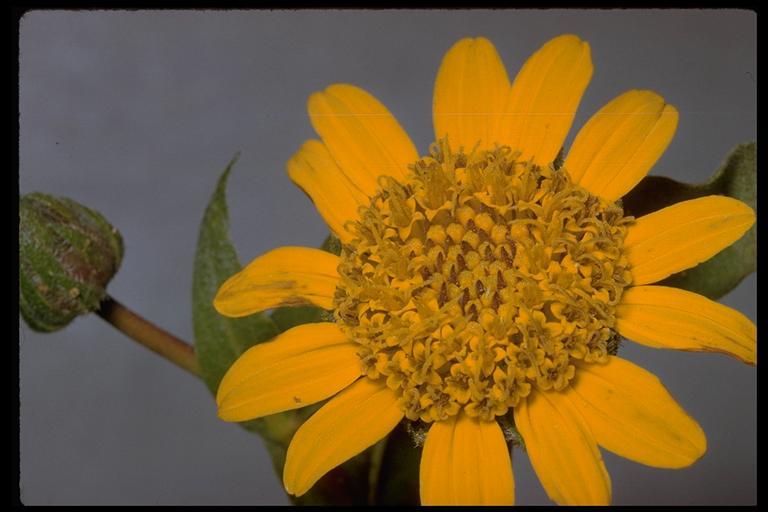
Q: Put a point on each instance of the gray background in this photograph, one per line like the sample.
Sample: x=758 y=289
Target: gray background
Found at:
x=136 y=113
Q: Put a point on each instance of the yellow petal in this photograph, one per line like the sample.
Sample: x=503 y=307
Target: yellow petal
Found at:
x=287 y=276
x=663 y=317
x=633 y=415
x=466 y=461
x=336 y=196
x=471 y=90
x=562 y=450
x=619 y=145
x=301 y=366
x=545 y=96
x=363 y=137
x=349 y=423
x=683 y=235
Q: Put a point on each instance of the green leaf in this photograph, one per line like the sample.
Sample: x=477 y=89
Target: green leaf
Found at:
x=285 y=318
x=219 y=340
x=332 y=244
x=736 y=178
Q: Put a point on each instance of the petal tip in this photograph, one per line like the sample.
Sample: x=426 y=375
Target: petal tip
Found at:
x=743 y=209
x=566 y=40
x=472 y=44
x=224 y=413
x=226 y=410
x=220 y=302
x=646 y=100
x=221 y=392
x=294 y=489
x=670 y=114
x=313 y=101
x=287 y=484
x=341 y=88
x=586 y=50
x=317 y=103
x=701 y=445
x=293 y=166
x=697 y=442
x=461 y=43
x=482 y=42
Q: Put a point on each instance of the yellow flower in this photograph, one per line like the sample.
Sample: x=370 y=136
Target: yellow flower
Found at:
x=487 y=279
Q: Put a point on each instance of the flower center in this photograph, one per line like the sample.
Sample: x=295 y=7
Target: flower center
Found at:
x=480 y=277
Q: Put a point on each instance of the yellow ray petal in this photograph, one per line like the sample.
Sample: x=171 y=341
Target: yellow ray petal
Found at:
x=683 y=235
x=545 y=96
x=466 y=461
x=363 y=137
x=471 y=90
x=302 y=366
x=562 y=450
x=663 y=317
x=633 y=415
x=287 y=276
x=336 y=196
x=619 y=145
x=349 y=423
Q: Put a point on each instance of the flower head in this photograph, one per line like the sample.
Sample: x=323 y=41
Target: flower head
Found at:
x=487 y=280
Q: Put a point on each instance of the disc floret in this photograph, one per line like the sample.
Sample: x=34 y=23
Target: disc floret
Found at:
x=479 y=278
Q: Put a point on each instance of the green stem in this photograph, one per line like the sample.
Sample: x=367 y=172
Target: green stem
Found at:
x=159 y=341
x=377 y=457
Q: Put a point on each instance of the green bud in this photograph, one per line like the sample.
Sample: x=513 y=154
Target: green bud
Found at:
x=67 y=255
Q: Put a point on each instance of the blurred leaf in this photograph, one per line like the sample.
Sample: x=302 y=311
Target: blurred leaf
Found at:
x=736 y=178
x=219 y=340
x=285 y=318
x=332 y=244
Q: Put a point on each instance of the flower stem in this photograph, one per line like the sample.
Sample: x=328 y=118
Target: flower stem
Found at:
x=167 y=345
x=377 y=457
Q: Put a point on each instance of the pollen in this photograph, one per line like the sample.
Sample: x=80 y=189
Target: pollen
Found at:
x=479 y=278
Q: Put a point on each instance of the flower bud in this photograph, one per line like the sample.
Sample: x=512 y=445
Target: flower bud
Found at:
x=67 y=255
